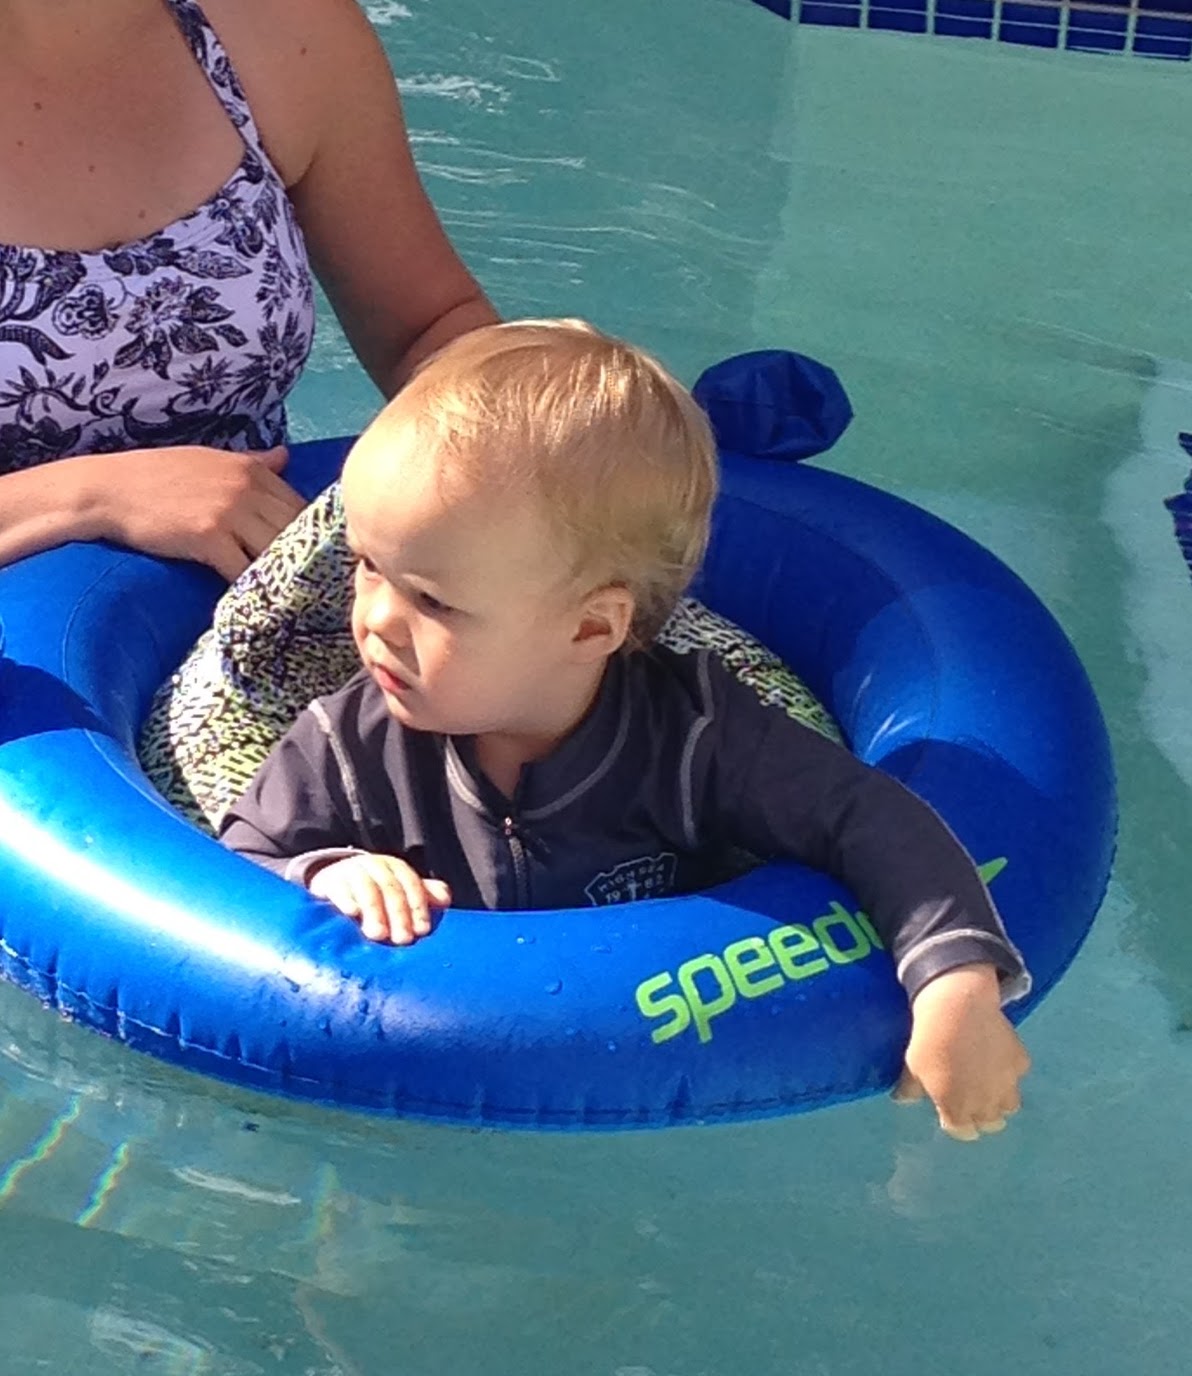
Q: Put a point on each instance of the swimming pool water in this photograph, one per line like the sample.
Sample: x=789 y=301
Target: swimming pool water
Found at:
x=988 y=244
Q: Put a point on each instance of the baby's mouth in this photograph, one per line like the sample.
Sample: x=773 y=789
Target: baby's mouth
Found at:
x=390 y=681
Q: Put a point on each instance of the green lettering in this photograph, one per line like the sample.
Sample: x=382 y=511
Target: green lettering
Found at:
x=704 y=1010
x=841 y=917
x=753 y=966
x=788 y=944
x=651 y=1006
x=870 y=931
x=745 y=960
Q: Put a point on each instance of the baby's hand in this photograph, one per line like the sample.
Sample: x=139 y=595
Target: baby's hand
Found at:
x=391 y=901
x=964 y=1053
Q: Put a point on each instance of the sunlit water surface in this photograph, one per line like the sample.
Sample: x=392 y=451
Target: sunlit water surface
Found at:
x=990 y=246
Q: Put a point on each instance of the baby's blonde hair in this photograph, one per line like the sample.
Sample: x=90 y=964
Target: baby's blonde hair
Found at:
x=618 y=451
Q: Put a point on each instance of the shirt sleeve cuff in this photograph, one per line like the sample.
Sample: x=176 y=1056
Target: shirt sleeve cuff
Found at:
x=301 y=868
x=939 y=954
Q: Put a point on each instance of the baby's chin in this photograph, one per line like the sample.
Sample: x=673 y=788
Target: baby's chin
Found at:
x=415 y=714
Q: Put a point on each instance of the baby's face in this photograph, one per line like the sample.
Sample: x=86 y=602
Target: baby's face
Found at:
x=464 y=611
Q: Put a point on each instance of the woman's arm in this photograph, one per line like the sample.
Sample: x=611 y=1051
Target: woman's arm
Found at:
x=375 y=241
x=218 y=508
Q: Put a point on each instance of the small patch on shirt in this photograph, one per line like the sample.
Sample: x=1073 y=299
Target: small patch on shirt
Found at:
x=649 y=876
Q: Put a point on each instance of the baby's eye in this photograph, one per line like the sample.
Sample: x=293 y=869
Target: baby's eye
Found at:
x=365 y=564
x=431 y=605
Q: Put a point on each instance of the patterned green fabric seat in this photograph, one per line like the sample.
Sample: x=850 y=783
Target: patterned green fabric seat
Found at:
x=281 y=636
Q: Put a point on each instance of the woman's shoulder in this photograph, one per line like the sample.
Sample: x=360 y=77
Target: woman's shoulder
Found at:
x=291 y=57
x=276 y=23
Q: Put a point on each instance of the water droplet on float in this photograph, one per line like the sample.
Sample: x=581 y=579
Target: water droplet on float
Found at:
x=525 y=940
x=612 y=1046
x=554 y=986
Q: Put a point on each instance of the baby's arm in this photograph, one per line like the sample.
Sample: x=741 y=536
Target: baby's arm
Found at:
x=301 y=818
x=782 y=789
x=296 y=815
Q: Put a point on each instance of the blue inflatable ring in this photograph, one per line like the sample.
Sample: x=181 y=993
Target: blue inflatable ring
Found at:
x=763 y=996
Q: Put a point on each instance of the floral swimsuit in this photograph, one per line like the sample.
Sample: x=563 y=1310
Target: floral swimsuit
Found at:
x=192 y=335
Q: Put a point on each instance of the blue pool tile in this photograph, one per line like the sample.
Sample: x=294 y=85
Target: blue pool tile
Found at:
x=1156 y=37
x=1163 y=32
x=904 y=15
x=827 y=12
x=964 y=18
x=1037 y=26
x=1094 y=31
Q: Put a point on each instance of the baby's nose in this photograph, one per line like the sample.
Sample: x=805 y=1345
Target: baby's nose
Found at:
x=385 y=618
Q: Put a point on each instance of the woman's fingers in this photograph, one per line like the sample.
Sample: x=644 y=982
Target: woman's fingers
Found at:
x=210 y=505
x=266 y=507
x=274 y=459
x=264 y=511
x=252 y=533
x=266 y=479
x=226 y=555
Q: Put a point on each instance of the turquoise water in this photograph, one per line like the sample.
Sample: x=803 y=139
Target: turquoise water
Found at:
x=988 y=244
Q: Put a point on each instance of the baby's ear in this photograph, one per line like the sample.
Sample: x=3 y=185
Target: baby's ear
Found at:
x=604 y=622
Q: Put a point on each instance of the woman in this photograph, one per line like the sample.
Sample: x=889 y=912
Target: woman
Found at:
x=165 y=170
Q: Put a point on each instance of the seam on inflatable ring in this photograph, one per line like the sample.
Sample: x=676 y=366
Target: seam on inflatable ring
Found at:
x=77 y=610
x=94 y=737
x=488 y=1114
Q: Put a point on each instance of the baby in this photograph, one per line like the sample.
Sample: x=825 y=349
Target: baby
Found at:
x=526 y=514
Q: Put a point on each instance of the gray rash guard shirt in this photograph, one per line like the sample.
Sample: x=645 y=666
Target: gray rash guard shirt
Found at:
x=676 y=764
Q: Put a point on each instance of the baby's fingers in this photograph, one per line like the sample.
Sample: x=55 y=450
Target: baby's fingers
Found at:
x=388 y=898
x=373 y=903
x=974 y=1121
x=334 y=883
x=438 y=892
x=958 y=1129
x=406 y=911
x=419 y=896
x=908 y=1090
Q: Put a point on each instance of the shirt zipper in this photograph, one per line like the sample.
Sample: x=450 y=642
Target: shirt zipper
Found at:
x=521 y=878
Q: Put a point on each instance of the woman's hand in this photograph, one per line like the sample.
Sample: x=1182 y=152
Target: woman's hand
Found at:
x=190 y=502
x=215 y=507
x=390 y=899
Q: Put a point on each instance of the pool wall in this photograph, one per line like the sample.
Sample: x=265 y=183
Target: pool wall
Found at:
x=1160 y=29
